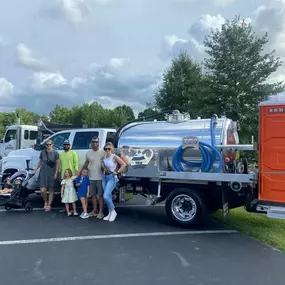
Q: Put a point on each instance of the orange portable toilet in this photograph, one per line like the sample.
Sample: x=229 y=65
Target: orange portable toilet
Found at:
x=272 y=152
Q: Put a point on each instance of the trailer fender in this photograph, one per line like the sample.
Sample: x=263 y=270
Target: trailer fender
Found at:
x=186 y=207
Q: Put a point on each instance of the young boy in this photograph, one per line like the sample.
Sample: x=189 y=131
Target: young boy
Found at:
x=82 y=183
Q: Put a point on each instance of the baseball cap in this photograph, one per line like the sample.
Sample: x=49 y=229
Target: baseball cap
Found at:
x=66 y=142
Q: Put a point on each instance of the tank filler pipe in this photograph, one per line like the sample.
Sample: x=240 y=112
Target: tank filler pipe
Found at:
x=209 y=155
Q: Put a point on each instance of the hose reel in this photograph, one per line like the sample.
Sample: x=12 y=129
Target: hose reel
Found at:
x=209 y=153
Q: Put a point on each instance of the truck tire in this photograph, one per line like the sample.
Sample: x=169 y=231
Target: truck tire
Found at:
x=185 y=207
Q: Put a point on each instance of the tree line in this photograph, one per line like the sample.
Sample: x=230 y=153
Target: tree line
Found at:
x=231 y=81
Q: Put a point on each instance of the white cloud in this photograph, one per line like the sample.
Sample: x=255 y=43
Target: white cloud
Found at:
x=29 y=60
x=115 y=63
x=6 y=87
x=73 y=11
x=171 y=40
x=2 y=42
x=204 y=24
x=47 y=80
x=118 y=50
x=172 y=44
x=271 y=19
x=223 y=2
x=46 y=89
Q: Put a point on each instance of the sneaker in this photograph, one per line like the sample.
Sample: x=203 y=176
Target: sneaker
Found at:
x=85 y=216
x=100 y=216
x=113 y=216
x=93 y=214
x=107 y=217
x=82 y=214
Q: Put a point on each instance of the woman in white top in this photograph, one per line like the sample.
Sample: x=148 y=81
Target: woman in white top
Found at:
x=110 y=165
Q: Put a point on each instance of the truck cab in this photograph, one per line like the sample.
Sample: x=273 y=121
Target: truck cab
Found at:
x=80 y=140
x=28 y=135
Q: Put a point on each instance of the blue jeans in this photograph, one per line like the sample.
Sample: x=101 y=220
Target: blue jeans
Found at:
x=109 y=184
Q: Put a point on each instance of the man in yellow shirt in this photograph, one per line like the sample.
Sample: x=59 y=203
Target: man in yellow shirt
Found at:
x=68 y=160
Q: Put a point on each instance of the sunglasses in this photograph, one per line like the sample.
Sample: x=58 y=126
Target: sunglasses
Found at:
x=107 y=148
x=95 y=141
x=48 y=144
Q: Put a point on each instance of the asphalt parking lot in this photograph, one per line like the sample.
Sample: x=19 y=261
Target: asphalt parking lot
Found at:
x=140 y=247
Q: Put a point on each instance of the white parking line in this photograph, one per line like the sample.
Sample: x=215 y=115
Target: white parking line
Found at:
x=117 y=206
x=115 y=236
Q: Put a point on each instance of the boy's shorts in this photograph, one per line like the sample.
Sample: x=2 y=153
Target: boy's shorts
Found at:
x=82 y=193
x=96 y=188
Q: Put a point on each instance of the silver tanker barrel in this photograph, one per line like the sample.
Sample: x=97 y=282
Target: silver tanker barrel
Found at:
x=156 y=146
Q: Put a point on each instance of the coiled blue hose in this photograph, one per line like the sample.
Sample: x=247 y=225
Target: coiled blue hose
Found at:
x=209 y=155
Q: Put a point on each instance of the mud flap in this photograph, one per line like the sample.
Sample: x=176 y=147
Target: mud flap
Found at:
x=225 y=201
x=124 y=194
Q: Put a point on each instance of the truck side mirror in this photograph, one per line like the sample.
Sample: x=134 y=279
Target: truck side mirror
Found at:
x=28 y=164
x=38 y=145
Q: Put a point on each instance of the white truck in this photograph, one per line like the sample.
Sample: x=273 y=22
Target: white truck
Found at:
x=80 y=142
x=28 y=136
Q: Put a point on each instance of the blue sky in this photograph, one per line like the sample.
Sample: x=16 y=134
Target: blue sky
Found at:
x=111 y=51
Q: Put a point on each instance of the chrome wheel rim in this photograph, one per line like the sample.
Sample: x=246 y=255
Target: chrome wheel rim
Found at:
x=184 y=208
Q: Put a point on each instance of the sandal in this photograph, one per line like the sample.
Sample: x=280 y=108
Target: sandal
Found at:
x=75 y=214
x=69 y=214
x=47 y=208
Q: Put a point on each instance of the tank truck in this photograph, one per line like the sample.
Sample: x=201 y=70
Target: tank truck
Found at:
x=194 y=166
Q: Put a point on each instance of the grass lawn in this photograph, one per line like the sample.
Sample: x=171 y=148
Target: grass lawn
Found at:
x=269 y=231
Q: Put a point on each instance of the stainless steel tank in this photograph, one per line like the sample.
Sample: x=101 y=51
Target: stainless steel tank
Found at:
x=150 y=145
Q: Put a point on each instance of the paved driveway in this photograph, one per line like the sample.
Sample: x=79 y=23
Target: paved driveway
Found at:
x=141 y=247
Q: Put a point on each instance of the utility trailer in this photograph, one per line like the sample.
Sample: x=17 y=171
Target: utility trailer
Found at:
x=195 y=166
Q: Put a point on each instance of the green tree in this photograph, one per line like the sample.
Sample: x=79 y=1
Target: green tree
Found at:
x=92 y=114
x=183 y=86
x=76 y=115
x=127 y=111
x=26 y=117
x=239 y=70
x=61 y=115
x=10 y=118
x=148 y=112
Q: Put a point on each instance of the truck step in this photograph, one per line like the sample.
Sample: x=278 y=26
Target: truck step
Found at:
x=276 y=213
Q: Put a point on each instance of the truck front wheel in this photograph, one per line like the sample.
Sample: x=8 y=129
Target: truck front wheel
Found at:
x=185 y=207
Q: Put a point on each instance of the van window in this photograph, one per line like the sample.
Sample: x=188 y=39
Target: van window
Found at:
x=111 y=137
x=82 y=140
x=10 y=135
x=33 y=135
x=26 y=134
x=58 y=140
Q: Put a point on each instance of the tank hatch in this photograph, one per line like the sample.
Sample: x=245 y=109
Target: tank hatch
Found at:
x=177 y=117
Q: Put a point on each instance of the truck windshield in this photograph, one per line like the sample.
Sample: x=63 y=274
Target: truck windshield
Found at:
x=58 y=140
x=10 y=135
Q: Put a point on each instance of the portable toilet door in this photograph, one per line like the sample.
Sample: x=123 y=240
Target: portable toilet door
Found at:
x=272 y=153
